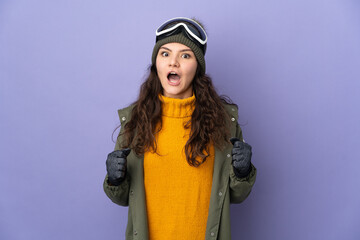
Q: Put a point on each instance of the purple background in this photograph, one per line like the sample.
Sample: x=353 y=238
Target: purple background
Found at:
x=293 y=67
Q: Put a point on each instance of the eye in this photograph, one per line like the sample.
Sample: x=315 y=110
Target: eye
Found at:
x=164 y=54
x=185 y=55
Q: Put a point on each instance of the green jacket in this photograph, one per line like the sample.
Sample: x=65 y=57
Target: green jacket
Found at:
x=226 y=187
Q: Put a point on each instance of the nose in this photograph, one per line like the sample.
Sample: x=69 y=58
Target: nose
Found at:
x=173 y=61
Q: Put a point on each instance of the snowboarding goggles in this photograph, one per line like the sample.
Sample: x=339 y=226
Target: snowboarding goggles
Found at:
x=187 y=26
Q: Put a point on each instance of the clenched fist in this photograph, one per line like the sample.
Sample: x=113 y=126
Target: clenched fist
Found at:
x=116 y=166
x=241 y=157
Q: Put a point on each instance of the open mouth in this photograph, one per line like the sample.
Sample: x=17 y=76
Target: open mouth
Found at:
x=174 y=78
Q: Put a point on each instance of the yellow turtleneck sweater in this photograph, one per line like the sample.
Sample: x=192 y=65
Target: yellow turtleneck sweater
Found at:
x=177 y=194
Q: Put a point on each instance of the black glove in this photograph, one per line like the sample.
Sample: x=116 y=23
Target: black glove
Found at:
x=241 y=157
x=116 y=166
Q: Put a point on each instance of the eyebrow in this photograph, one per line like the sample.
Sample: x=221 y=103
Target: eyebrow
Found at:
x=182 y=50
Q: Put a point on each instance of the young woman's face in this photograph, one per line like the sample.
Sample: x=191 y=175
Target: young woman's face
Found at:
x=176 y=67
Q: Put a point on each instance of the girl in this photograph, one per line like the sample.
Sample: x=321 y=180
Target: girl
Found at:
x=180 y=158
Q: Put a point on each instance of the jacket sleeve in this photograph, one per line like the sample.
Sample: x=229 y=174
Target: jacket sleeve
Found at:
x=118 y=194
x=240 y=188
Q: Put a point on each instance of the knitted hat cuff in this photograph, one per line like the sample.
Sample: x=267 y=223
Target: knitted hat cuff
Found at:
x=180 y=38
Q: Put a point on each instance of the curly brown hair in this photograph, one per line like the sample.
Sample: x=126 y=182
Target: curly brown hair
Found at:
x=209 y=124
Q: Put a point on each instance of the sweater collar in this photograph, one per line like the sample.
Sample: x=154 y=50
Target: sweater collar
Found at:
x=178 y=108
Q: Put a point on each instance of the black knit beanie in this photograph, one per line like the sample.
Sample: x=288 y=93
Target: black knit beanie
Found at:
x=180 y=38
